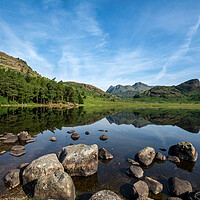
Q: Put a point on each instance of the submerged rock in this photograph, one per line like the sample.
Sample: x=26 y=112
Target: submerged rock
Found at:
x=17 y=147
x=105 y=195
x=17 y=153
x=154 y=186
x=160 y=157
x=173 y=159
x=135 y=171
x=184 y=151
x=133 y=162
x=103 y=137
x=23 y=136
x=75 y=136
x=80 y=159
x=58 y=185
x=178 y=187
x=12 y=178
x=42 y=166
x=146 y=155
x=140 y=189
x=104 y=154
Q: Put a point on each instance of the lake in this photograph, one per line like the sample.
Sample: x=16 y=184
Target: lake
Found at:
x=129 y=130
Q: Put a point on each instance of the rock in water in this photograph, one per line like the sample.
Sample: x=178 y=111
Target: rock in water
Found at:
x=105 y=195
x=178 y=187
x=80 y=159
x=53 y=139
x=135 y=171
x=146 y=155
x=75 y=136
x=42 y=166
x=12 y=178
x=140 y=189
x=133 y=162
x=31 y=140
x=58 y=185
x=154 y=186
x=11 y=139
x=104 y=154
x=17 y=153
x=173 y=159
x=71 y=131
x=87 y=132
x=103 y=137
x=159 y=156
x=17 y=147
x=184 y=151
x=23 y=136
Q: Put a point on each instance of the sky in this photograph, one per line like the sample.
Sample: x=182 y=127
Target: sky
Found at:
x=105 y=42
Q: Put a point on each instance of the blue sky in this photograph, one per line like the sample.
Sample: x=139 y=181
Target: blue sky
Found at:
x=105 y=42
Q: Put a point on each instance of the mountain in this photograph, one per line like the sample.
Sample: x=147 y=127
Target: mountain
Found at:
x=128 y=91
x=16 y=64
x=184 y=92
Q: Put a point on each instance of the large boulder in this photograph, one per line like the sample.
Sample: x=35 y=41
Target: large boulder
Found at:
x=178 y=187
x=135 y=171
x=58 y=185
x=146 y=155
x=184 y=151
x=80 y=159
x=105 y=195
x=154 y=186
x=12 y=178
x=42 y=166
x=140 y=189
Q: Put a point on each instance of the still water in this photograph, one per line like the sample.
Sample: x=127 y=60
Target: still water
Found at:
x=128 y=130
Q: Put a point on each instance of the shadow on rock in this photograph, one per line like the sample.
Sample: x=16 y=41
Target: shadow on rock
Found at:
x=29 y=188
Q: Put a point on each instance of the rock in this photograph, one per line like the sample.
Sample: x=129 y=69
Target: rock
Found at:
x=5 y=137
x=133 y=162
x=178 y=187
x=154 y=186
x=34 y=136
x=23 y=136
x=2 y=152
x=105 y=195
x=31 y=140
x=23 y=165
x=17 y=153
x=184 y=151
x=80 y=159
x=75 y=136
x=163 y=149
x=103 y=137
x=101 y=130
x=12 y=178
x=42 y=166
x=140 y=189
x=159 y=156
x=106 y=130
x=58 y=185
x=72 y=131
x=194 y=195
x=146 y=155
x=87 y=132
x=173 y=159
x=104 y=154
x=11 y=139
x=135 y=171
x=173 y=198
x=53 y=139
x=17 y=147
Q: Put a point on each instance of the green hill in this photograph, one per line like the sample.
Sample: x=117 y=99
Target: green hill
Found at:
x=128 y=91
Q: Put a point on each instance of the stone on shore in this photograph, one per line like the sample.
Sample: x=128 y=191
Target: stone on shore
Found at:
x=133 y=162
x=105 y=195
x=154 y=186
x=42 y=166
x=103 y=137
x=178 y=187
x=80 y=159
x=75 y=136
x=160 y=157
x=184 y=151
x=104 y=154
x=173 y=159
x=146 y=155
x=135 y=171
x=23 y=136
x=140 y=189
x=17 y=147
x=17 y=153
x=58 y=185
x=12 y=178
x=11 y=139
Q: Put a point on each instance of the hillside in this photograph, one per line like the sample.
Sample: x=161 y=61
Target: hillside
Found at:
x=128 y=91
x=188 y=91
x=16 y=64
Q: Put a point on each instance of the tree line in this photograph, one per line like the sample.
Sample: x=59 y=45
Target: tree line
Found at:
x=18 y=88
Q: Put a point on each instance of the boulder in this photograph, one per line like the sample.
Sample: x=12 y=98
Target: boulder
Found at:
x=42 y=166
x=103 y=137
x=75 y=136
x=146 y=155
x=140 y=189
x=154 y=186
x=17 y=147
x=173 y=159
x=104 y=154
x=80 y=159
x=105 y=195
x=11 y=139
x=23 y=136
x=53 y=139
x=133 y=162
x=135 y=171
x=160 y=157
x=17 y=153
x=12 y=178
x=184 y=151
x=58 y=185
x=178 y=187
